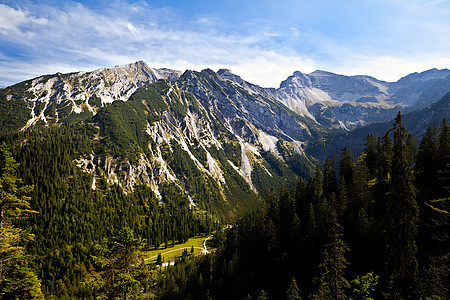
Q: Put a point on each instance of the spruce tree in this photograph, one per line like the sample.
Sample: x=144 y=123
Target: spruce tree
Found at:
x=426 y=166
x=370 y=150
x=443 y=156
x=292 y=293
x=125 y=272
x=332 y=283
x=347 y=171
x=17 y=280
x=330 y=183
x=401 y=220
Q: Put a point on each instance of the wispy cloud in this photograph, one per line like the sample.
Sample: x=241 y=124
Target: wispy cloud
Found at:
x=388 y=42
x=13 y=20
x=74 y=35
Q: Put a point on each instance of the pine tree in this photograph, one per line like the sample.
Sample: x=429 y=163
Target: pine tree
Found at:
x=17 y=280
x=287 y=211
x=370 y=150
x=263 y=295
x=384 y=151
x=314 y=188
x=332 y=283
x=292 y=293
x=347 y=171
x=401 y=220
x=124 y=270
x=443 y=156
x=330 y=183
x=426 y=166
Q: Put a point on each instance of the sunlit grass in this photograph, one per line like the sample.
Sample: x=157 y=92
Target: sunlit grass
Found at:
x=172 y=252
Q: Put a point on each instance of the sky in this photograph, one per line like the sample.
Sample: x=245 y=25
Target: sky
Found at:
x=262 y=41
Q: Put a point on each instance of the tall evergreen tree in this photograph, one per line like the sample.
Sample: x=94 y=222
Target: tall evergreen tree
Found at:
x=443 y=155
x=370 y=150
x=363 y=287
x=125 y=273
x=330 y=183
x=332 y=283
x=347 y=170
x=401 y=220
x=384 y=151
x=17 y=279
x=426 y=166
x=292 y=293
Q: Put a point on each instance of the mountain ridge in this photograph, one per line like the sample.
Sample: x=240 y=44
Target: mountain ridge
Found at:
x=84 y=92
x=216 y=137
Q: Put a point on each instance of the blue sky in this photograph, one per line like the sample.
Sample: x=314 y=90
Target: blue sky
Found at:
x=262 y=41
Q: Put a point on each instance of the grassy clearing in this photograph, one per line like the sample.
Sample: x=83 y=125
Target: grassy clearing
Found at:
x=172 y=252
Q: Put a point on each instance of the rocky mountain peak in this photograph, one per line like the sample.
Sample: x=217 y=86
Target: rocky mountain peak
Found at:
x=227 y=74
x=298 y=79
x=322 y=73
x=424 y=76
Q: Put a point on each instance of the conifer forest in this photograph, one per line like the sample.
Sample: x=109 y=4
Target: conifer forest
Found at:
x=367 y=227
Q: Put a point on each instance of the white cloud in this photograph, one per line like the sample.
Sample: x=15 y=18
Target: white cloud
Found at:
x=392 y=68
x=72 y=37
x=16 y=71
x=77 y=34
x=11 y=20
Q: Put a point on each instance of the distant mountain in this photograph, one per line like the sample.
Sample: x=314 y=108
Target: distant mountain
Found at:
x=416 y=123
x=218 y=138
x=61 y=97
x=351 y=101
x=420 y=89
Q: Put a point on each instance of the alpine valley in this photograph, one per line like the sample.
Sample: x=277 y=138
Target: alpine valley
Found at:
x=174 y=155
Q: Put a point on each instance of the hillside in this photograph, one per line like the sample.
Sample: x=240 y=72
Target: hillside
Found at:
x=157 y=157
x=416 y=122
x=214 y=130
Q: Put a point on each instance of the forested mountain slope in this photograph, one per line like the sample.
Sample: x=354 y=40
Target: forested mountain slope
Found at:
x=156 y=156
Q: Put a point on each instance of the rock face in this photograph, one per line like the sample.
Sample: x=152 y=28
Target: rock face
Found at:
x=213 y=135
x=56 y=97
x=348 y=101
x=332 y=100
x=205 y=126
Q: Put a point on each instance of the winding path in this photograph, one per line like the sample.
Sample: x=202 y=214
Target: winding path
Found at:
x=204 y=250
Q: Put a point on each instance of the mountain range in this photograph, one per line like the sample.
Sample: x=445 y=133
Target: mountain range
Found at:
x=212 y=129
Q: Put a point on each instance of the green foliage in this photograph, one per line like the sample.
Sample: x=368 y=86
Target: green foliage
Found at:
x=18 y=281
x=331 y=281
x=150 y=100
x=95 y=101
x=14 y=113
x=74 y=117
x=272 y=172
x=363 y=287
x=292 y=293
x=265 y=249
x=299 y=163
x=16 y=277
x=232 y=150
x=124 y=274
x=373 y=197
x=402 y=220
x=123 y=129
x=263 y=295
x=73 y=218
